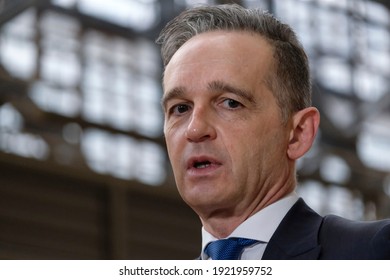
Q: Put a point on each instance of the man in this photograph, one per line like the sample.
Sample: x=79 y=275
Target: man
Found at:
x=237 y=110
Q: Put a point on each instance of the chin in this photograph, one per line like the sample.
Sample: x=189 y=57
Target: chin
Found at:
x=199 y=199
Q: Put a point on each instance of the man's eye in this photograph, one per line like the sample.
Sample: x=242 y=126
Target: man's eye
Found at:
x=179 y=109
x=231 y=103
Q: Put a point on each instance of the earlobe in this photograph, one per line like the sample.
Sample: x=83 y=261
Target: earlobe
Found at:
x=305 y=125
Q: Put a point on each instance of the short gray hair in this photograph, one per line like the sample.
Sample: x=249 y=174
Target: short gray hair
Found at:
x=290 y=82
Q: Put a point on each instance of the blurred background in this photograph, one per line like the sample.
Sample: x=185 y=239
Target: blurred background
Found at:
x=83 y=168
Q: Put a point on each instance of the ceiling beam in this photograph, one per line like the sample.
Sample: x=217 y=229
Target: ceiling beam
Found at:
x=11 y=8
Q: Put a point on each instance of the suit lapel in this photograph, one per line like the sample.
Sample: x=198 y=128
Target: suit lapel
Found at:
x=297 y=235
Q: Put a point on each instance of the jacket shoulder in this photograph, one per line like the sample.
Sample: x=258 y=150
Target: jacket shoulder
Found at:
x=341 y=238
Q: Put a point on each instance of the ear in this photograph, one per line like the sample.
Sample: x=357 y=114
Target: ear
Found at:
x=305 y=125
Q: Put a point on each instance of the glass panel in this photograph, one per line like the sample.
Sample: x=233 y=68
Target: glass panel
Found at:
x=298 y=15
x=62 y=101
x=314 y=193
x=10 y=119
x=65 y=3
x=147 y=111
x=378 y=37
x=332 y=27
x=342 y=113
x=369 y=86
x=341 y=202
x=140 y=15
x=124 y=157
x=96 y=151
x=150 y=164
x=94 y=105
x=61 y=68
x=334 y=74
x=334 y=169
x=334 y=3
x=18 y=55
x=373 y=144
x=377 y=12
x=18 y=52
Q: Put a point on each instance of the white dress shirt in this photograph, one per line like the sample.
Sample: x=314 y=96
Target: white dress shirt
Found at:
x=261 y=226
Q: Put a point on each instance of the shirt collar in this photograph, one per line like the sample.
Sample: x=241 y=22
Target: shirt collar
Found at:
x=260 y=226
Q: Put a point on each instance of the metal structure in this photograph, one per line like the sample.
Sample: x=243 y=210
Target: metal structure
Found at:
x=83 y=170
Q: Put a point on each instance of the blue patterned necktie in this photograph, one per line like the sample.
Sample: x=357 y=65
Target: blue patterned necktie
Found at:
x=228 y=249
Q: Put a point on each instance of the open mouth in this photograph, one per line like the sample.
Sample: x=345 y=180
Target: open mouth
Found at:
x=201 y=164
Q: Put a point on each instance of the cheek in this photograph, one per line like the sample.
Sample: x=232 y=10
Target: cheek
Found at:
x=172 y=149
x=174 y=143
x=240 y=146
x=169 y=142
x=256 y=147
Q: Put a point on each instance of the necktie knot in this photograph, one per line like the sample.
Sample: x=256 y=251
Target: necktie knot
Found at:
x=228 y=249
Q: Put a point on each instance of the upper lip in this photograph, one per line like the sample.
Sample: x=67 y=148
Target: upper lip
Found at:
x=199 y=159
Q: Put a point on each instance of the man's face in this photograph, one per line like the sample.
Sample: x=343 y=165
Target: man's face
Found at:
x=225 y=137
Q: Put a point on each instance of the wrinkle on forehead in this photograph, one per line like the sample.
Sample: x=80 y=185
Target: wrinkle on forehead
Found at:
x=210 y=43
x=230 y=56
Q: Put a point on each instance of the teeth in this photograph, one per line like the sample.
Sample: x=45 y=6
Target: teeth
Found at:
x=202 y=164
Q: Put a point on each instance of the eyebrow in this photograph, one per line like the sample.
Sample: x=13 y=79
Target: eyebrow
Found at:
x=221 y=86
x=177 y=92
x=214 y=86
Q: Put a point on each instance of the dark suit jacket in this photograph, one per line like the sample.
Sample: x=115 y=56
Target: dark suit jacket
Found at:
x=305 y=235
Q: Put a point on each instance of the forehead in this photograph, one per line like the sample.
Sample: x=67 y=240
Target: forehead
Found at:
x=228 y=53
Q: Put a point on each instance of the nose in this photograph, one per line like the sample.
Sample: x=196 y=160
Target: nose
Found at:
x=201 y=127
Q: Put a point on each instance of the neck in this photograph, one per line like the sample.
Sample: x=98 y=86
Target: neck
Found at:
x=222 y=222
